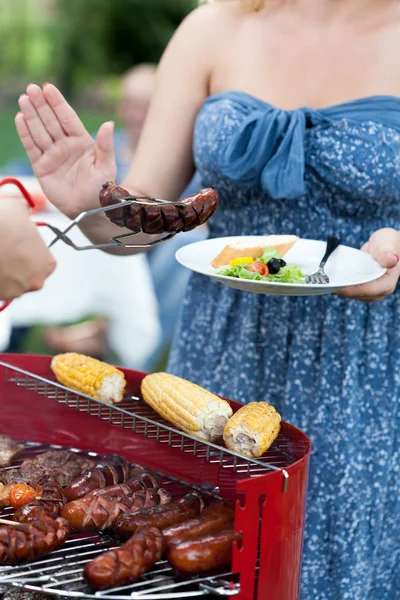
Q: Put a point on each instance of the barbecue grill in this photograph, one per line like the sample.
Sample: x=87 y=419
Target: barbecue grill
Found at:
x=270 y=492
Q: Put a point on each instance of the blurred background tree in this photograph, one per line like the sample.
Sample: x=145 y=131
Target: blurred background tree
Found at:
x=83 y=46
x=109 y=36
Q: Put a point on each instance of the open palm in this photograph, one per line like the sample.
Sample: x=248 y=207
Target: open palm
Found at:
x=70 y=166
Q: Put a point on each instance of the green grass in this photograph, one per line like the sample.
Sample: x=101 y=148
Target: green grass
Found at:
x=11 y=148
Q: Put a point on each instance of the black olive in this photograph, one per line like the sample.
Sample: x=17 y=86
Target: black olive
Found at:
x=274 y=265
x=283 y=264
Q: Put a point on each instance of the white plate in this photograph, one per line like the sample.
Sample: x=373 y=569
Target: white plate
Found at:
x=346 y=267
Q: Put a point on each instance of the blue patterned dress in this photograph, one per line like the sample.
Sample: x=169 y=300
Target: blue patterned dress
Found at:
x=331 y=366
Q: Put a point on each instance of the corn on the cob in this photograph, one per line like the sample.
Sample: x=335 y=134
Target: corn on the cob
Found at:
x=252 y=429
x=186 y=405
x=90 y=376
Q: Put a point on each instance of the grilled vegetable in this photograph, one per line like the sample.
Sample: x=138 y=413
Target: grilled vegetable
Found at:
x=90 y=376
x=22 y=494
x=253 y=429
x=186 y=405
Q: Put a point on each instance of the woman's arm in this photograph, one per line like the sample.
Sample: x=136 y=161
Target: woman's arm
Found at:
x=71 y=167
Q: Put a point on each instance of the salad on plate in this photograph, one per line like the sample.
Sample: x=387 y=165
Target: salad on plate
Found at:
x=261 y=263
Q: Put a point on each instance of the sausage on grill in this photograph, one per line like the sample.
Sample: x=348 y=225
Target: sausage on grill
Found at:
x=127 y=563
x=27 y=541
x=216 y=517
x=187 y=507
x=203 y=554
x=111 y=470
x=98 y=511
x=155 y=218
x=35 y=510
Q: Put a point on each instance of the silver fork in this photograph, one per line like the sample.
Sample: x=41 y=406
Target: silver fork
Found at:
x=320 y=276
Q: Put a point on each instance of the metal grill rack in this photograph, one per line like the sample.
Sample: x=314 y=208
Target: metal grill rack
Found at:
x=134 y=414
x=60 y=574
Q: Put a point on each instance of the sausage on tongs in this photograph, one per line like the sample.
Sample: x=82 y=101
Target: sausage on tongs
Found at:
x=187 y=507
x=152 y=216
x=27 y=541
x=128 y=562
x=111 y=470
x=98 y=510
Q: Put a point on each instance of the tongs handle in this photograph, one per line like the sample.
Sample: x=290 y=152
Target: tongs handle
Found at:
x=28 y=198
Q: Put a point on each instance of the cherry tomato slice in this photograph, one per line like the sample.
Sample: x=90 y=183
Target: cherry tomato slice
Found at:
x=258 y=267
x=21 y=494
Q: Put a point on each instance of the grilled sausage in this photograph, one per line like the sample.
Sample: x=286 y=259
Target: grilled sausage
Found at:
x=216 y=517
x=27 y=541
x=113 y=469
x=155 y=218
x=187 y=507
x=127 y=563
x=203 y=554
x=139 y=481
x=35 y=510
x=97 y=512
x=148 y=478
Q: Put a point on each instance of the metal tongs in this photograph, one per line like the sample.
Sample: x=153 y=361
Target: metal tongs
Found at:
x=115 y=242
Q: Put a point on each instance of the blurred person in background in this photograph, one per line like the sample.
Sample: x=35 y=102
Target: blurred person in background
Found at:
x=137 y=89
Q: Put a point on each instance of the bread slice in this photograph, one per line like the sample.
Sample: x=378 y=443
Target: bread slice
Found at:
x=241 y=249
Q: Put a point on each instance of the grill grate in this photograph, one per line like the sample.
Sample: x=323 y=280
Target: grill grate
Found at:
x=134 y=414
x=60 y=573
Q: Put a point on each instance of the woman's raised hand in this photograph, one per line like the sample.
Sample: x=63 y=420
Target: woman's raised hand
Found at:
x=70 y=166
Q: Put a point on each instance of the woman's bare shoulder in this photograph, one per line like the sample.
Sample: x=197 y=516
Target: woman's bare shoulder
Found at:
x=214 y=18
x=201 y=35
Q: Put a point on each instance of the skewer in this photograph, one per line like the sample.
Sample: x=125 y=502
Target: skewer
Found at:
x=6 y=522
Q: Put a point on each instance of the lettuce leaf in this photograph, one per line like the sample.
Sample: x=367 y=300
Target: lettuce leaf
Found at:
x=288 y=274
x=269 y=253
x=241 y=272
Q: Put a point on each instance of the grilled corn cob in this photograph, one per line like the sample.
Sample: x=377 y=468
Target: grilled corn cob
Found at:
x=186 y=405
x=90 y=376
x=252 y=429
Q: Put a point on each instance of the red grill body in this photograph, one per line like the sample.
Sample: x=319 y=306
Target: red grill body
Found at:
x=273 y=542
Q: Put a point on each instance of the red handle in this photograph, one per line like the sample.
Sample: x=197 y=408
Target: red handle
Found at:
x=31 y=203
x=21 y=188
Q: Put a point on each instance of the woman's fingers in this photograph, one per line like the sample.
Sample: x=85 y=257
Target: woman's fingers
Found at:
x=384 y=247
x=105 y=156
x=34 y=152
x=376 y=290
x=40 y=135
x=45 y=112
x=69 y=120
